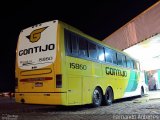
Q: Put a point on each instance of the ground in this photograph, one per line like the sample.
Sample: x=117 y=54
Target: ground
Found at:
x=145 y=108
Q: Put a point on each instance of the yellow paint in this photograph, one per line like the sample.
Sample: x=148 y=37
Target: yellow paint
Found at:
x=77 y=85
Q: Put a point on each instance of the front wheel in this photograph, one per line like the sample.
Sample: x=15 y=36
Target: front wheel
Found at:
x=108 y=98
x=97 y=97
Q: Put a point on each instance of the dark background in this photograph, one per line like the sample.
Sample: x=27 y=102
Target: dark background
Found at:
x=98 y=18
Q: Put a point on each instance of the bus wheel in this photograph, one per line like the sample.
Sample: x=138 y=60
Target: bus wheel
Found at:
x=142 y=91
x=97 y=97
x=108 y=98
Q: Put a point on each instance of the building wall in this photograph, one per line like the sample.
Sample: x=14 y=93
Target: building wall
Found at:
x=144 y=26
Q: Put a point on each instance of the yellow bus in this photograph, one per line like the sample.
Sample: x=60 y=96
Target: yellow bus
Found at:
x=57 y=64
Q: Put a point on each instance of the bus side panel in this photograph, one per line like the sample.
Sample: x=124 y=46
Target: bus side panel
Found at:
x=134 y=84
x=80 y=89
x=88 y=89
x=115 y=77
x=41 y=98
x=77 y=70
x=84 y=81
x=74 y=90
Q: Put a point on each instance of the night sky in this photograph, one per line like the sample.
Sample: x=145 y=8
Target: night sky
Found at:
x=98 y=18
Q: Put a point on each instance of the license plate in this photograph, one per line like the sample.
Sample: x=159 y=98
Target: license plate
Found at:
x=38 y=84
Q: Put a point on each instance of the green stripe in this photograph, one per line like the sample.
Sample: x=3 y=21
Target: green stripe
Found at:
x=132 y=83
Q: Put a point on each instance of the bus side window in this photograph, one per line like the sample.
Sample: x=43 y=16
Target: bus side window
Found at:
x=71 y=43
x=114 y=57
x=129 y=62
x=101 y=53
x=67 y=36
x=83 y=47
x=121 y=60
x=110 y=56
x=92 y=49
x=124 y=61
x=74 y=42
x=136 y=65
x=132 y=64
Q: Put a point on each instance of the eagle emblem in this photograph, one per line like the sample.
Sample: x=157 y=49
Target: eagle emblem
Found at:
x=36 y=34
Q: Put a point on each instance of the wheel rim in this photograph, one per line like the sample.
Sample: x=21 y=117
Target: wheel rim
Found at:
x=97 y=97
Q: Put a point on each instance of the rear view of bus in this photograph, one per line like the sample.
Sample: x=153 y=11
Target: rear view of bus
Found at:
x=38 y=75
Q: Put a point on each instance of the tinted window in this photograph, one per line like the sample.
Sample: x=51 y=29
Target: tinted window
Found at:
x=110 y=56
x=101 y=53
x=136 y=65
x=83 y=47
x=74 y=43
x=79 y=46
x=129 y=62
x=68 y=41
x=121 y=60
x=92 y=50
x=124 y=61
x=71 y=43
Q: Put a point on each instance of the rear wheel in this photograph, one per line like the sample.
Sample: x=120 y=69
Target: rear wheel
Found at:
x=97 y=97
x=108 y=97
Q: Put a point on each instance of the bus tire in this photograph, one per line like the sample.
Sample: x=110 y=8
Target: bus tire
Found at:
x=97 y=97
x=108 y=97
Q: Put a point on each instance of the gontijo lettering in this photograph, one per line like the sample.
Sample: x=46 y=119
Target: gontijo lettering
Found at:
x=116 y=72
x=36 y=49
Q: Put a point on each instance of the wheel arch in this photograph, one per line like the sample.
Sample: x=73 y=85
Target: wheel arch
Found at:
x=100 y=89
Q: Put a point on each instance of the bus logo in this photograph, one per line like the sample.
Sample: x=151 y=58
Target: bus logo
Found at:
x=36 y=34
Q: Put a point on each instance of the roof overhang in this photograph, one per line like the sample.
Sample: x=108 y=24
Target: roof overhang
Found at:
x=147 y=52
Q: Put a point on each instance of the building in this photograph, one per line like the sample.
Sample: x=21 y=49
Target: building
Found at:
x=140 y=38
